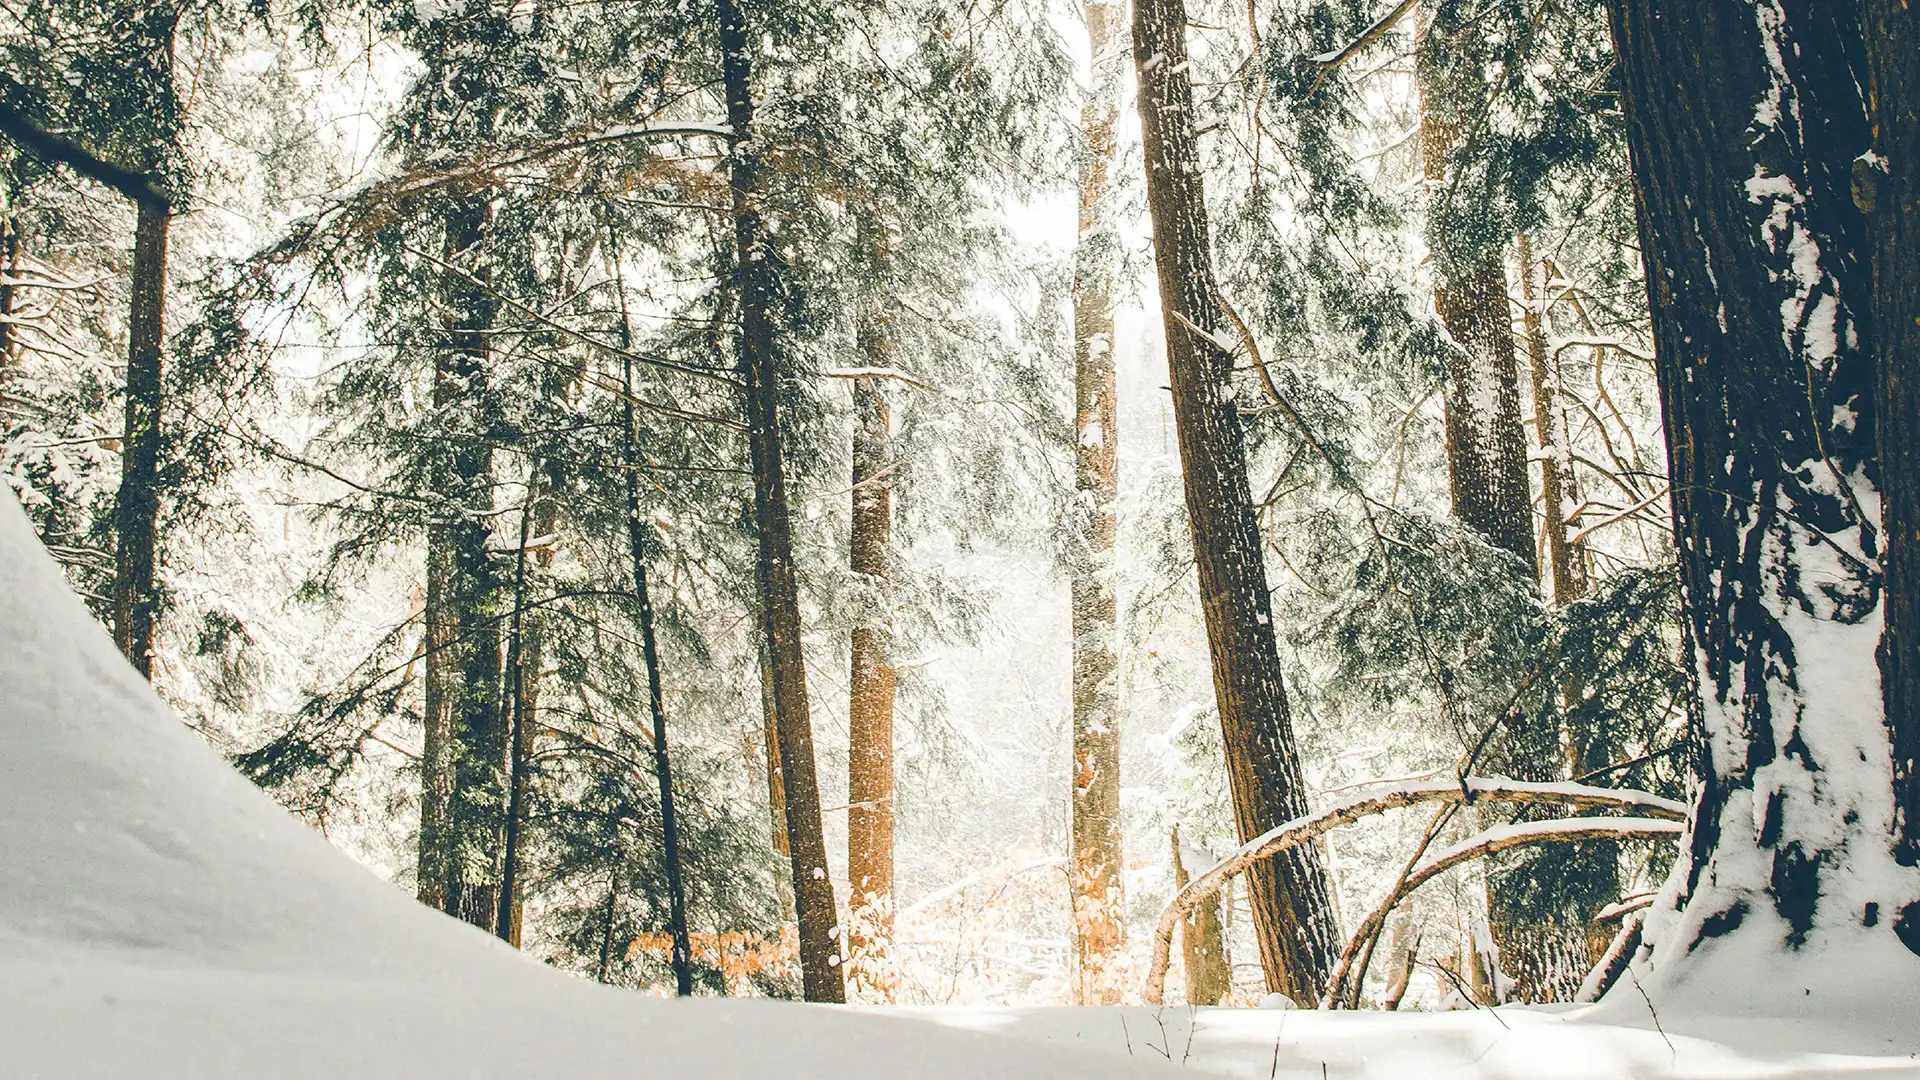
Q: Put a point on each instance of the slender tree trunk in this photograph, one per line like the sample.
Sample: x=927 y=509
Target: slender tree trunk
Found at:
x=506 y=909
x=1743 y=120
x=1889 y=192
x=1095 y=875
x=1203 y=942
x=136 y=600
x=136 y=597
x=779 y=591
x=870 y=705
x=465 y=755
x=1486 y=442
x=9 y=273
x=682 y=954
x=1566 y=558
x=776 y=783
x=1293 y=916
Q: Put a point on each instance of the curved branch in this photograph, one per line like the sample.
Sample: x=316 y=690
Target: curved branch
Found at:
x=1300 y=830
x=1499 y=838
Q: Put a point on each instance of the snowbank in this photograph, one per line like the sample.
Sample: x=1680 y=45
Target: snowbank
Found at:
x=1487 y=1044
x=160 y=917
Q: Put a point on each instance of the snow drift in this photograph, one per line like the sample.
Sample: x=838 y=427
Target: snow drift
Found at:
x=161 y=917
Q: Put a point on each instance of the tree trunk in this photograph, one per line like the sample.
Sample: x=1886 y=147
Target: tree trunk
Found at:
x=1094 y=876
x=1566 y=569
x=9 y=273
x=135 y=597
x=1486 y=443
x=1293 y=917
x=136 y=601
x=464 y=758
x=1891 y=199
x=1203 y=942
x=870 y=704
x=1742 y=122
x=779 y=592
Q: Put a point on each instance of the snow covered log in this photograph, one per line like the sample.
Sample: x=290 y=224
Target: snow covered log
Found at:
x=1352 y=809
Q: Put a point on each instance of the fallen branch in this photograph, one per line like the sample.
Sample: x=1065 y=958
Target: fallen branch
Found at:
x=1300 y=830
x=1499 y=838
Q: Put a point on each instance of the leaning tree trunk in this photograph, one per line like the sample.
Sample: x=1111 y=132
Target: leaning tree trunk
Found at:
x=1293 y=915
x=464 y=757
x=870 y=701
x=1094 y=874
x=779 y=591
x=1743 y=120
x=1889 y=192
x=1486 y=443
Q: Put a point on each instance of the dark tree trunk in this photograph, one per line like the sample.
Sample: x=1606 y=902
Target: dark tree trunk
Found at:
x=9 y=273
x=1094 y=877
x=1743 y=122
x=506 y=923
x=1889 y=192
x=464 y=758
x=1293 y=915
x=136 y=597
x=870 y=704
x=682 y=954
x=758 y=290
x=136 y=600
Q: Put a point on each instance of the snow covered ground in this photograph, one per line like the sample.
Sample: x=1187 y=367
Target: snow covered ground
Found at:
x=160 y=917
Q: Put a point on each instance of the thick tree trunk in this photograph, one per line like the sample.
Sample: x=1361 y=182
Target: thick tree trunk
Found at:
x=1203 y=942
x=1889 y=192
x=1743 y=121
x=136 y=600
x=1293 y=915
x=465 y=753
x=779 y=591
x=1094 y=876
x=1486 y=443
x=870 y=704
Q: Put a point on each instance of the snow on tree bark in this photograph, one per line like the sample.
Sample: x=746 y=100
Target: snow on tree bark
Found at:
x=1566 y=568
x=757 y=289
x=1094 y=875
x=464 y=755
x=1887 y=189
x=1744 y=117
x=1293 y=913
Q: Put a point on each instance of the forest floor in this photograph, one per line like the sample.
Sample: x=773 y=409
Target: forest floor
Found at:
x=161 y=917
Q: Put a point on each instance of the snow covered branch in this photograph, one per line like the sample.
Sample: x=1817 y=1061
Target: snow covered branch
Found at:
x=1496 y=839
x=1464 y=790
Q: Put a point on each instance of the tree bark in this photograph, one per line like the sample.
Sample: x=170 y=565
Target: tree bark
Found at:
x=464 y=757
x=1486 y=443
x=1203 y=942
x=9 y=273
x=1742 y=121
x=1566 y=569
x=870 y=704
x=1889 y=192
x=136 y=600
x=1293 y=915
x=779 y=591
x=1094 y=876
